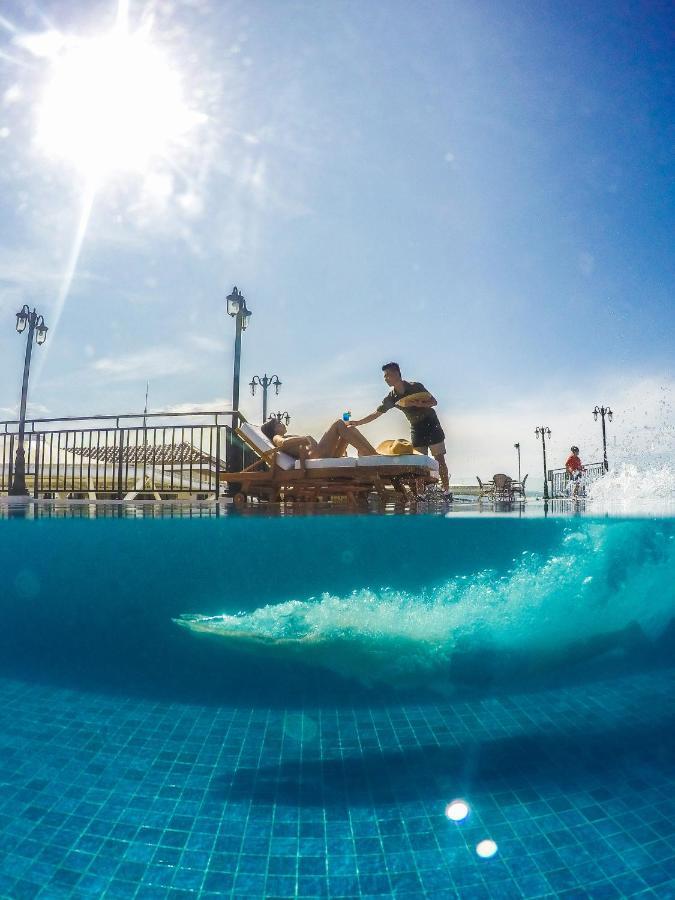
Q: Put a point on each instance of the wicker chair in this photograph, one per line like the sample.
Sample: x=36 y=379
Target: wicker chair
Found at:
x=503 y=487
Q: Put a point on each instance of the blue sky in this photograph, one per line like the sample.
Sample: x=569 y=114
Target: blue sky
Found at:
x=481 y=191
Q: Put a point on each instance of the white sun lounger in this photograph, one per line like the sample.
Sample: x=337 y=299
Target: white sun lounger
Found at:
x=346 y=476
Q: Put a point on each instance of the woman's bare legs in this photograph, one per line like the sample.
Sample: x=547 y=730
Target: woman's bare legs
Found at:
x=341 y=449
x=337 y=438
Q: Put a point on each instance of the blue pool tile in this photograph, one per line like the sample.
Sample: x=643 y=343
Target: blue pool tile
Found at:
x=168 y=807
x=249 y=885
x=402 y=882
x=374 y=884
x=218 y=882
x=24 y=890
x=312 y=887
x=190 y=879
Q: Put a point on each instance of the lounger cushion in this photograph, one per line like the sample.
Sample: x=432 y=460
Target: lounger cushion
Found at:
x=416 y=460
x=350 y=462
x=258 y=439
x=342 y=462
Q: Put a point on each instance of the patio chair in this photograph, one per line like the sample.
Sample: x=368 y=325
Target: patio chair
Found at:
x=503 y=487
x=518 y=487
x=485 y=489
x=276 y=475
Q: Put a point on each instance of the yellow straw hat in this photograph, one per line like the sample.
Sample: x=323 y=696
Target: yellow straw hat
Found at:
x=395 y=447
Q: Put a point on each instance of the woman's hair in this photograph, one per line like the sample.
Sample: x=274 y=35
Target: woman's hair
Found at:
x=269 y=428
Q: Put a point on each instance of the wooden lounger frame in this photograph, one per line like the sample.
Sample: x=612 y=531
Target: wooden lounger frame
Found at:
x=266 y=480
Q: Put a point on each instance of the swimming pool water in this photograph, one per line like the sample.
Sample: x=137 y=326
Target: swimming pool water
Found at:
x=311 y=749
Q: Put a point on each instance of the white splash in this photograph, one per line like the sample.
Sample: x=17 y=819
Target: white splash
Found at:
x=631 y=484
x=605 y=587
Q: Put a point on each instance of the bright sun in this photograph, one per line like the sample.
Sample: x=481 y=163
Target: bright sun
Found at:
x=113 y=103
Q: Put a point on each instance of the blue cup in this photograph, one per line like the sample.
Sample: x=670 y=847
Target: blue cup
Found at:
x=346 y=416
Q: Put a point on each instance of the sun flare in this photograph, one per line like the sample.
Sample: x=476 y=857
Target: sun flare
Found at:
x=113 y=103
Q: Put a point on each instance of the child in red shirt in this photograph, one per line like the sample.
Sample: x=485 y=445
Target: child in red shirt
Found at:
x=574 y=469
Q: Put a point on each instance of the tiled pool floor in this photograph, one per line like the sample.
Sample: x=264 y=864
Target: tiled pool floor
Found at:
x=110 y=796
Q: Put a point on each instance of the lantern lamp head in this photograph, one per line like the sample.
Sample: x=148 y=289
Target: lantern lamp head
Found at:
x=234 y=301
x=22 y=319
x=41 y=334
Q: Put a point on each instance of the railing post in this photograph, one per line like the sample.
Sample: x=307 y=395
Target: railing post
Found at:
x=37 y=466
x=217 y=460
x=10 y=471
x=120 y=491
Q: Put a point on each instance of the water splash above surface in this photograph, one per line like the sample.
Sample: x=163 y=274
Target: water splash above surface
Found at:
x=633 y=485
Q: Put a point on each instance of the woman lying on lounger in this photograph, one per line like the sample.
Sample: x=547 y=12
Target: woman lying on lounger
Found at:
x=334 y=443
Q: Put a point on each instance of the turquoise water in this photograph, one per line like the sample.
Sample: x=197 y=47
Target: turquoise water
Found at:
x=286 y=707
x=364 y=603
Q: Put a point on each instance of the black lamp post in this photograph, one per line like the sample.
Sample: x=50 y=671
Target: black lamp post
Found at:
x=543 y=432
x=236 y=308
x=603 y=411
x=281 y=417
x=517 y=448
x=265 y=383
x=38 y=330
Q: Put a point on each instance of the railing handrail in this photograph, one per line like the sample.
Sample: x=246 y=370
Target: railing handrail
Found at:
x=164 y=451
x=560 y=479
x=31 y=423
x=593 y=465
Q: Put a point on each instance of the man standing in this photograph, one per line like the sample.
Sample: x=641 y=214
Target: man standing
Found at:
x=415 y=401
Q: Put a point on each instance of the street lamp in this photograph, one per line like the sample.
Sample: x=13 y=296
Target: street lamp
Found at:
x=543 y=432
x=265 y=382
x=236 y=308
x=281 y=417
x=603 y=411
x=38 y=330
x=517 y=448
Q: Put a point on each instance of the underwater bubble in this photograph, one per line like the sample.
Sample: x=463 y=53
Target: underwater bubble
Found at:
x=457 y=810
x=300 y=727
x=27 y=584
x=485 y=849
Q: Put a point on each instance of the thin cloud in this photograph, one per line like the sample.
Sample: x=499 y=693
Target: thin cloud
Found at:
x=207 y=344
x=152 y=363
x=33 y=411
x=25 y=274
x=217 y=405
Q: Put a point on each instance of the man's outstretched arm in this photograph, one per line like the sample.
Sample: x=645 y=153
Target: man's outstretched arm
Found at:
x=366 y=419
